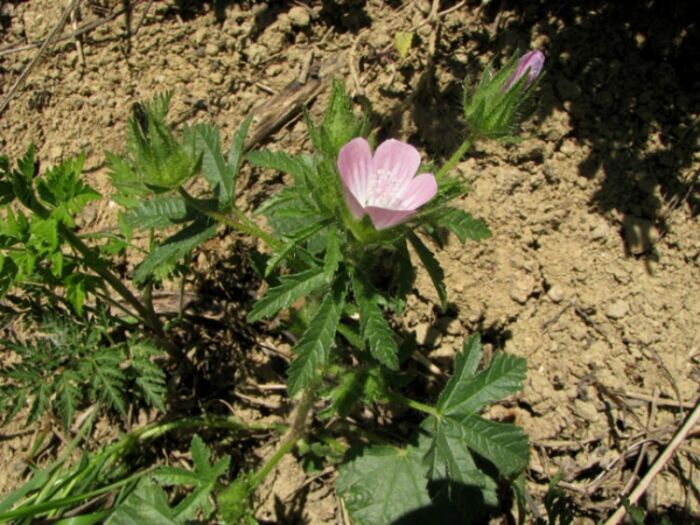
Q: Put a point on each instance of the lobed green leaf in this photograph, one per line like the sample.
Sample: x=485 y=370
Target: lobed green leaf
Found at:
x=435 y=271
x=314 y=347
x=175 y=247
x=463 y=225
x=159 y=211
x=293 y=287
x=373 y=326
x=383 y=485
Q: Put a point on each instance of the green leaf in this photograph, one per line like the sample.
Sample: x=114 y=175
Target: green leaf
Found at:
x=373 y=326
x=503 y=377
x=293 y=287
x=203 y=478
x=22 y=179
x=503 y=444
x=333 y=254
x=235 y=153
x=108 y=380
x=215 y=169
x=383 y=485
x=67 y=397
x=466 y=392
x=176 y=247
x=463 y=225
x=314 y=347
x=402 y=42
x=339 y=122
x=449 y=459
x=148 y=503
x=437 y=275
x=297 y=166
x=150 y=378
x=159 y=211
x=294 y=242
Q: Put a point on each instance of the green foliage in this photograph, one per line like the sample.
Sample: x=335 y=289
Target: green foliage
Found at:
x=384 y=484
x=70 y=364
x=373 y=326
x=493 y=112
x=440 y=469
x=313 y=349
x=560 y=509
x=291 y=289
x=340 y=124
x=152 y=149
x=35 y=241
x=463 y=225
x=431 y=264
x=157 y=160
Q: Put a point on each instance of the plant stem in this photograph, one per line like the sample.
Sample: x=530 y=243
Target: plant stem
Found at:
x=415 y=405
x=243 y=224
x=295 y=433
x=455 y=158
x=93 y=261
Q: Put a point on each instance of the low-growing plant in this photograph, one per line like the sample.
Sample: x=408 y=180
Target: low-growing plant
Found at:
x=344 y=240
x=71 y=363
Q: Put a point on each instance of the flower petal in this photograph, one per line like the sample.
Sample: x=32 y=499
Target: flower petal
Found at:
x=356 y=168
x=419 y=191
x=355 y=207
x=383 y=218
x=401 y=160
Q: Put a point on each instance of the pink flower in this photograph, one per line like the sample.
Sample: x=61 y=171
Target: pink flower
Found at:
x=530 y=63
x=384 y=186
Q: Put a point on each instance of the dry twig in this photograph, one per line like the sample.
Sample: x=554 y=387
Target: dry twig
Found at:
x=659 y=464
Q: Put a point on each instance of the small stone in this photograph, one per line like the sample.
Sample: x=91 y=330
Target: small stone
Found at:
x=421 y=332
x=211 y=49
x=522 y=286
x=216 y=77
x=56 y=152
x=555 y=294
x=599 y=233
x=568 y=147
x=617 y=310
x=299 y=16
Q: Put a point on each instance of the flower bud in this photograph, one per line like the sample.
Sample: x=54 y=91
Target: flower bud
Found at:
x=161 y=161
x=531 y=63
x=495 y=108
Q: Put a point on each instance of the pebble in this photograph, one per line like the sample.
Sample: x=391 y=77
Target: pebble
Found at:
x=599 y=233
x=522 y=286
x=299 y=16
x=617 y=310
x=555 y=294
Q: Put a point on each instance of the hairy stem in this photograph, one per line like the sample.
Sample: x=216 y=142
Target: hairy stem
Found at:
x=295 y=433
x=93 y=261
x=415 y=405
x=455 y=158
x=241 y=223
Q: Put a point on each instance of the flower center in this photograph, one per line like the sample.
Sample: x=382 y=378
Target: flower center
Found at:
x=383 y=190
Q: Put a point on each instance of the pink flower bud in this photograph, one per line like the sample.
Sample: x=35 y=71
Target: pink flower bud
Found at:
x=531 y=63
x=384 y=185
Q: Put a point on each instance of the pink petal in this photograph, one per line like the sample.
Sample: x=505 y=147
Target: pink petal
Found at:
x=355 y=207
x=356 y=168
x=419 y=191
x=383 y=218
x=398 y=158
